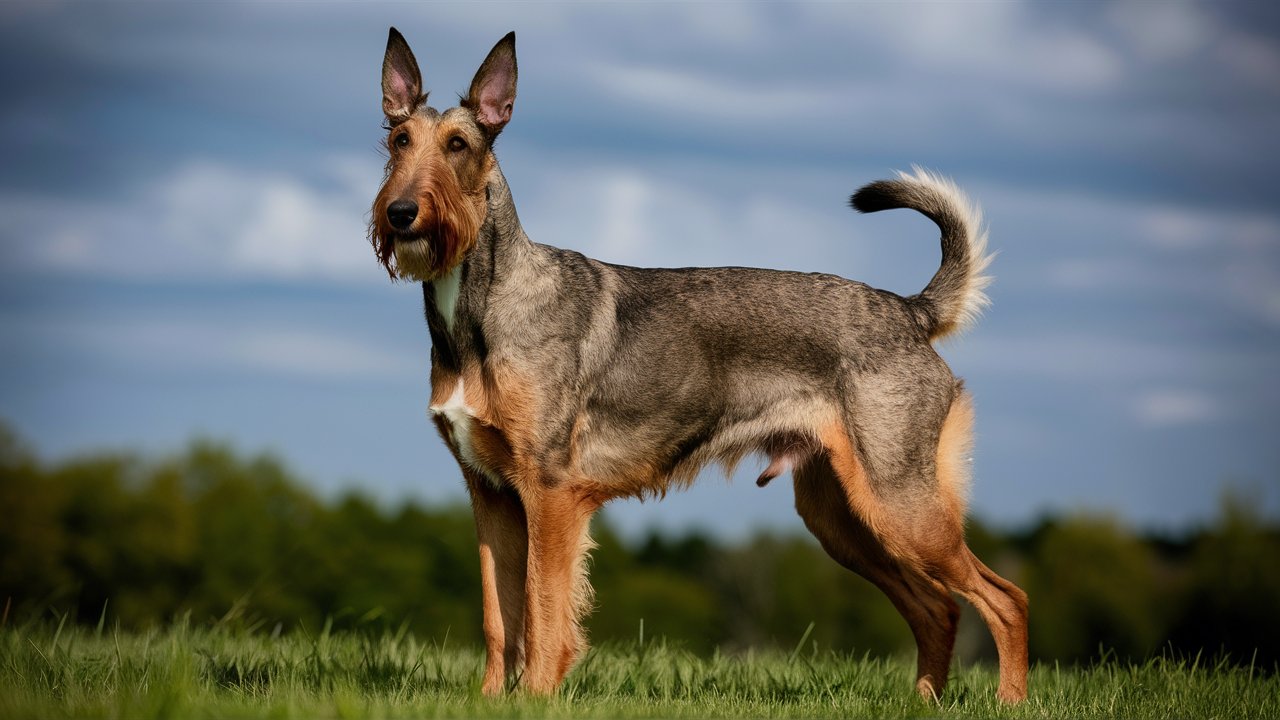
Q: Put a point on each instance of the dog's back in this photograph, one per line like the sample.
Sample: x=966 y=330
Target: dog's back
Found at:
x=673 y=368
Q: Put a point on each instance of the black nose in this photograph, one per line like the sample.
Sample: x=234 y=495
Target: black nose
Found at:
x=401 y=213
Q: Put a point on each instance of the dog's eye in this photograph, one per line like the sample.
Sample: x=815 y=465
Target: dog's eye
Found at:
x=402 y=140
x=457 y=144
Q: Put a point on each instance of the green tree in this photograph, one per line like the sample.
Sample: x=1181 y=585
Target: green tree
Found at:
x=1233 y=591
x=32 y=539
x=1091 y=585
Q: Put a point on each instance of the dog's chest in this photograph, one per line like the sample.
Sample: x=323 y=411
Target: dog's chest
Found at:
x=466 y=432
x=446 y=290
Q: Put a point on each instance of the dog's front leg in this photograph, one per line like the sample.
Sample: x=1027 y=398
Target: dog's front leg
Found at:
x=557 y=593
x=502 y=532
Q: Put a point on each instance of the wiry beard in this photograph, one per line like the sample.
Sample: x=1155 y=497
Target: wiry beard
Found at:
x=416 y=260
x=433 y=251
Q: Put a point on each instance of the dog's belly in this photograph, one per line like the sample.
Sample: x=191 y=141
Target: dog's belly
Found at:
x=627 y=449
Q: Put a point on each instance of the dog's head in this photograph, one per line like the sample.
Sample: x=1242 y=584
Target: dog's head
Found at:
x=433 y=201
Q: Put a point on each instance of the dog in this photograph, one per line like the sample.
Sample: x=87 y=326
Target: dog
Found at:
x=560 y=382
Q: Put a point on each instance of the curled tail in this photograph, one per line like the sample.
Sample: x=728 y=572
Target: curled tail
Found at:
x=954 y=298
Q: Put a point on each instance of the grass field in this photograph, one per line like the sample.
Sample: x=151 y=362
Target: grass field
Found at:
x=61 y=671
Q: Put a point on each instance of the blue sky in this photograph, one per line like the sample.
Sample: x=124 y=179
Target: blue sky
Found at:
x=185 y=186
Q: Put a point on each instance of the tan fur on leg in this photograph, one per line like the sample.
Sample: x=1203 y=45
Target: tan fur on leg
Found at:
x=921 y=555
x=500 y=529
x=927 y=608
x=556 y=594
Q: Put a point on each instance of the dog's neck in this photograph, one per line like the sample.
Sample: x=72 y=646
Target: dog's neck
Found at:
x=456 y=302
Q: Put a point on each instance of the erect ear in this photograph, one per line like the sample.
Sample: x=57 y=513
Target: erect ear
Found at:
x=401 y=81
x=493 y=90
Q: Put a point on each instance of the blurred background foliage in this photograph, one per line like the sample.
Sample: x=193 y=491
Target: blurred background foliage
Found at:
x=237 y=540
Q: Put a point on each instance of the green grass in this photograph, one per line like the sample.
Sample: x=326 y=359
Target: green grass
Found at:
x=61 y=671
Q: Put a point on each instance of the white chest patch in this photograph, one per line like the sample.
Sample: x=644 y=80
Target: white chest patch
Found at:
x=461 y=416
x=446 y=291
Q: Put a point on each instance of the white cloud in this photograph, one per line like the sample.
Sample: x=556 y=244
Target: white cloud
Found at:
x=1224 y=258
x=1175 y=406
x=1162 y=31
x=271 y=224
x=1256 y=287
x=670 y=217
x=206 y=219
x=729 y=100
x=1004 y=42
x=1168 y=33
x=1186 y=228
x=1174 y=228
x=221 y=345
x=926 y=64
x=624 y=200
x=1255 y=59
x=1094 y=359
x=319 y=354
x=212 y=220
x=1088 y=274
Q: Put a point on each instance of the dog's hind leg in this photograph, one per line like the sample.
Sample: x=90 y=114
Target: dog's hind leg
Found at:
x=919 y=522
x=504 y=541
x=1003 y=607
x=936 y=532
x=928 y=609
x=557 y=593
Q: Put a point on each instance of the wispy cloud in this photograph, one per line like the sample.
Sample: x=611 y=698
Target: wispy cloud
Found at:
x=673 y=216
x=202 y=346
x=726 y=100
x=204 y=219
x=1128 y=250
x=1175 y=406
x=321 y=355
x=979 y=38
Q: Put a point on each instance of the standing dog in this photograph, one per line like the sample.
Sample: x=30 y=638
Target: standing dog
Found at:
x=560 y=382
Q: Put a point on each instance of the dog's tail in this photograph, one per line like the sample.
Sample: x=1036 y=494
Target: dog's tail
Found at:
x=954 y=298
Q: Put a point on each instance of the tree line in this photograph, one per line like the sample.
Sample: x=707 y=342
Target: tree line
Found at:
x=215 y=537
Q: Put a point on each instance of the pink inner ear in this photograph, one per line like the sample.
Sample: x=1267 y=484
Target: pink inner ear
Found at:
x=495 y=101
x=398 y=89
x=399 y=86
